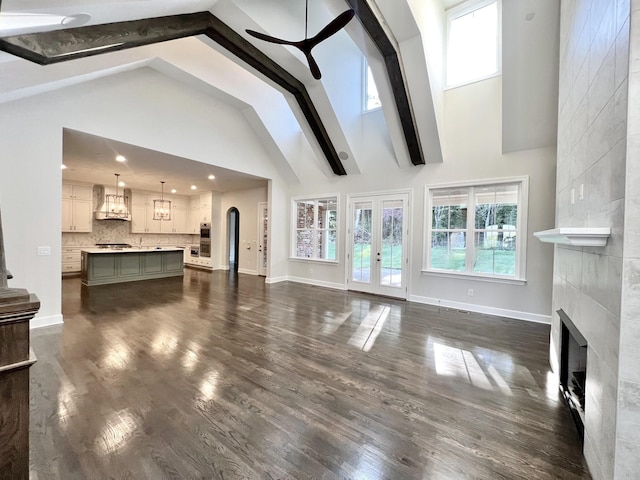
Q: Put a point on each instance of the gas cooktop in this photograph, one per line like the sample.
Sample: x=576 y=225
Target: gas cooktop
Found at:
x=113 y=245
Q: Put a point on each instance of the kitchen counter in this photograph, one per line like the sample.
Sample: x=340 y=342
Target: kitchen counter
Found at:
x=131 y=250
x=100 y=266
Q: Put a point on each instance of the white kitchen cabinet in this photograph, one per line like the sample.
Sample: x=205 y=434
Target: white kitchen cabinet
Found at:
x=205 y=207
x=142 y=214
x=77 y=208
x=71 y=259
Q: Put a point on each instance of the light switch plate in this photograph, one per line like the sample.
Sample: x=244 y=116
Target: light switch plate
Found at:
x=44 y=251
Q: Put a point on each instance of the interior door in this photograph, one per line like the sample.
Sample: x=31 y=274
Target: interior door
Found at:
x=378 y=254
x=263 y=228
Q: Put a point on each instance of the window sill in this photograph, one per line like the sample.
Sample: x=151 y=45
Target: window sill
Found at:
x=372 y=110
x=314 y=260
x=471 y=276
x=471 y=82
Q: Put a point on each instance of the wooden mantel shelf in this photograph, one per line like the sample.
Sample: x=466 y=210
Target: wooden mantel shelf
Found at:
x=576 y=236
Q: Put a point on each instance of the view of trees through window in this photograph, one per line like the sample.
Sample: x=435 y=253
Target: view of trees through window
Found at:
x=493 y=229
x=316 y=227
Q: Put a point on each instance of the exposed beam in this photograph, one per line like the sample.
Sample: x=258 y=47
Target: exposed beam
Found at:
x=376 y=31
x=69 y=44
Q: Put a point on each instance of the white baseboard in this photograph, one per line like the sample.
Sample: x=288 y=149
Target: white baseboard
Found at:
x=40 y=322
x=318 y=283
x=270 y=280
x=471 y=307
x=247 y=271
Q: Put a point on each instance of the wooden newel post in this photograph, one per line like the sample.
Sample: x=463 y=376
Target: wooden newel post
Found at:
x=17 y=307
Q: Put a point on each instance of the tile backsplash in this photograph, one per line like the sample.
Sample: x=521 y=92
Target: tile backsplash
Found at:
x=115 y=231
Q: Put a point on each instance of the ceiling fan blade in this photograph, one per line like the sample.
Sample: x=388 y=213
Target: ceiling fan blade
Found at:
x=268 y=38
x=333 y=27
x=313 y=66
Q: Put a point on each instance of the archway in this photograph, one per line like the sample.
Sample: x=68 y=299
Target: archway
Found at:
x=233 y=238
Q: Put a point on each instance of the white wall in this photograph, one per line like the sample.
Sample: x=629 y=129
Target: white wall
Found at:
x=141 y=107
x=246 y=201
x=472 y=147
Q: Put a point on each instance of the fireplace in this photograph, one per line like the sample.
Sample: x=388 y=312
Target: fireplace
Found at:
x=573 y=369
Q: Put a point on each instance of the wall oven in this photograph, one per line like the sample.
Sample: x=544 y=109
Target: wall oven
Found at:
x=205 y=239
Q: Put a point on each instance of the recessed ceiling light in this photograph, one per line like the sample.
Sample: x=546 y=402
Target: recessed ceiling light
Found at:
x=121 y=183
x=63 y=166
x=120 y=158
x=173 y=190
x=212 y=177
x=193 y=187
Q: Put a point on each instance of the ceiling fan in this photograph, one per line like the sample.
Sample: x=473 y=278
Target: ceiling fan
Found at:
x=307 y=44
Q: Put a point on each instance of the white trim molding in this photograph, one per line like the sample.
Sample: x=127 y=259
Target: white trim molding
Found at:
x=578 y=237
x=318 y=283
x=499 y=312
x=49 y=321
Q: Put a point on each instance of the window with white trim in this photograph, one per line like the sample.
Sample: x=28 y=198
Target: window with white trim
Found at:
x=473 y=41
x=477 y=229
x=315 y=228
x=370 y=97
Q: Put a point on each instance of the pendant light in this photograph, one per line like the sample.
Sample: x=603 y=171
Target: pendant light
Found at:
x=162 y=207
x=116 y=205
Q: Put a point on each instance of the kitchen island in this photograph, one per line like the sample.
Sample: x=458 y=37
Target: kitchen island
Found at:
x=100 y=266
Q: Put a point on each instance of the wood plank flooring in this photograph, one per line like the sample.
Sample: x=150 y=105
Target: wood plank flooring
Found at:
x=219 y=376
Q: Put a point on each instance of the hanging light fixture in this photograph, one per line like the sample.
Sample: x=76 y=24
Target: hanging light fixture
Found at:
x=116 y=205
x=162 y=207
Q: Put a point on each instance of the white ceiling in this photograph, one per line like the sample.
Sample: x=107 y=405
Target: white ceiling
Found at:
x=91 y=159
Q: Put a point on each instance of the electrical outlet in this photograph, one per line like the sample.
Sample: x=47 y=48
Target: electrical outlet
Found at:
x=470 y=292
x=44 y=250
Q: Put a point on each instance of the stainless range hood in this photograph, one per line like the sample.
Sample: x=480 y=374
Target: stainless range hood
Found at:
x=114 y=206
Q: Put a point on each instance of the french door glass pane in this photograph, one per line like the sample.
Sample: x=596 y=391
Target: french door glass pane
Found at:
x=391 y=255
x=495 y=252
x=362 y=217
x=448 y=250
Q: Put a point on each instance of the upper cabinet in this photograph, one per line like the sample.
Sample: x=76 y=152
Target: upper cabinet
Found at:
x=142 y=220
x=77 y=207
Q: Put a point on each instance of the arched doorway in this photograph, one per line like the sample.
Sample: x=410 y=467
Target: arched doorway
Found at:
x=233 y=240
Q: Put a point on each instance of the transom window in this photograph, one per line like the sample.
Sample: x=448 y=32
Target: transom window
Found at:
x=477 y=229
x=315 y=229
x=371 y=99
x=473 y=41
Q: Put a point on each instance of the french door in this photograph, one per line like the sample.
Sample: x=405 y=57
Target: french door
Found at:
x=263 y=228
x=378 y=256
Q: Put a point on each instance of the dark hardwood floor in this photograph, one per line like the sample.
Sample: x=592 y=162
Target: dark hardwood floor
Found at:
x=217 y=376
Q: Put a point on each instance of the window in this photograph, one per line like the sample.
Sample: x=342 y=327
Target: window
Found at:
x=315 y=231
x=477 y=229
x=473 y=42
x=371 y=99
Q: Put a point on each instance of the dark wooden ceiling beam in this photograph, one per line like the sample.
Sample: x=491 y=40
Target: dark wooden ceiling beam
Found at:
x=69 y=44
x=376 y=31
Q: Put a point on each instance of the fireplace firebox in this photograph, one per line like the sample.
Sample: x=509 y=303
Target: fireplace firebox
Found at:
x=573 y=369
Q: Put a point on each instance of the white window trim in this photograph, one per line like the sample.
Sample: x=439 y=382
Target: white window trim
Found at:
x=294 y=229
x=521 y=229
x=365 y=89
x=459 y=11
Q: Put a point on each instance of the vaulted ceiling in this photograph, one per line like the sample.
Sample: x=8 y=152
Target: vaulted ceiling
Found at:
x=402 y=41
